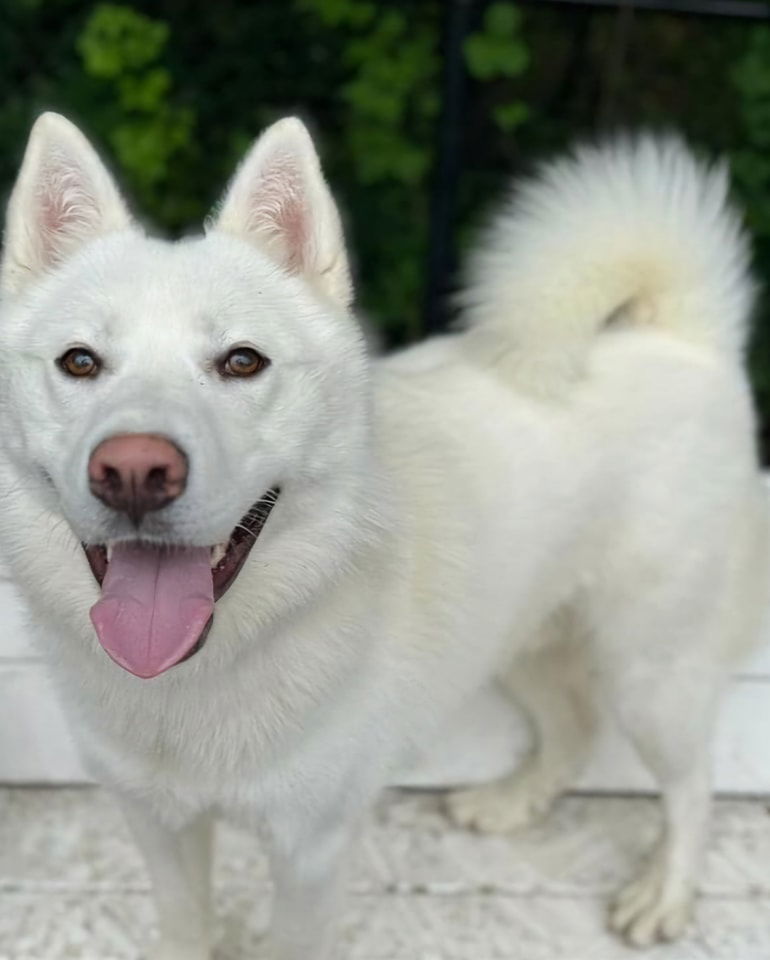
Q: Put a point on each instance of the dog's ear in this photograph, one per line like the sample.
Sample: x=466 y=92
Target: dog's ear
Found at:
x=63 y=197
x=279 y=201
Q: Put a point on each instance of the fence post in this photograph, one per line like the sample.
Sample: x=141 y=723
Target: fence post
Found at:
x=441 y=255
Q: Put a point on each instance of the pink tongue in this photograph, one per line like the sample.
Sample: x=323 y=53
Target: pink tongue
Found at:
x=155 y=605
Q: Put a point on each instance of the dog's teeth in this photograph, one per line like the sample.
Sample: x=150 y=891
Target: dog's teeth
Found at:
x=217 y=553
x=109 y=552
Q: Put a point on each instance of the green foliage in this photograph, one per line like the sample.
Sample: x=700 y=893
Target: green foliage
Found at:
x=750 y=77
x=391 y=95
x=175 y=92
x=509 y=116
x=341 y=13
x=117 y=40
x=123 y=50
x=388 y=96
x=498 y=49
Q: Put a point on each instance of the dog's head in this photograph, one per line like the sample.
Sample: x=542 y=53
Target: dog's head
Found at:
x=182 y=407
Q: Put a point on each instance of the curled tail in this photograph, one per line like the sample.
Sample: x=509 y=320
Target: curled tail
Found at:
x=636 y=231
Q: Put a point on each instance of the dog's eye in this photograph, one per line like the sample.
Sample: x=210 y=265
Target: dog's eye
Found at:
x=242 y=362
x=79 y=362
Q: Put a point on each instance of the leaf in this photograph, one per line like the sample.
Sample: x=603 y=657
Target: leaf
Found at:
x=117 y=38
x=497 y=50
x=509 y=116
x=502 y=19
x=144 y=92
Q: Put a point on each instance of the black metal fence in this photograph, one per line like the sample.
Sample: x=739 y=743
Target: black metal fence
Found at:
x=458 y=20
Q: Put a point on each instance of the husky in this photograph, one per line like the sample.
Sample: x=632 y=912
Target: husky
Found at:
x=266 y=568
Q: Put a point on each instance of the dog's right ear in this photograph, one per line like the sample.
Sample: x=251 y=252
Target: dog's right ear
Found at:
x=63 y=198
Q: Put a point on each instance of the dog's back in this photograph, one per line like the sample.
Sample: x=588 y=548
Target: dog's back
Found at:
x=596 y=404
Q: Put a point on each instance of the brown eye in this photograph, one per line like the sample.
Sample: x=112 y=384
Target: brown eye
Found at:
x=79 y=362
x=242 y=362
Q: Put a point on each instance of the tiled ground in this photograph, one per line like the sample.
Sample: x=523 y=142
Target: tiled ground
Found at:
x=71 y=884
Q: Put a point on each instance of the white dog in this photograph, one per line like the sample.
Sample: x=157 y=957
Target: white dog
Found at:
x=565 y=496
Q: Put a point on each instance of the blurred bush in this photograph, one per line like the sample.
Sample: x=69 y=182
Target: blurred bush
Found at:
x=174 y=92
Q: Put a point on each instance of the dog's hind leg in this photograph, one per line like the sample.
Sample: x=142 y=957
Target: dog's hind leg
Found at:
x=665 y=638
x=668 y=715
x=663 y=647
x=552 y=683
x=676 y=604
x=179 y=864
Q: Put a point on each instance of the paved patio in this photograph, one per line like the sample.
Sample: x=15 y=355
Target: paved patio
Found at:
x=73 y=886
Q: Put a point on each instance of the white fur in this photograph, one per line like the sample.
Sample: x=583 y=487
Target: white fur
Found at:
x=574 y=509
x=632 y=226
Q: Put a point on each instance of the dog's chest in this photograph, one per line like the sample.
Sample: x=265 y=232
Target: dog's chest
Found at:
x=243 y=749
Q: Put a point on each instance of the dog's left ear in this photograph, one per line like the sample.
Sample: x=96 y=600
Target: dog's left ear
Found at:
x=279 y=201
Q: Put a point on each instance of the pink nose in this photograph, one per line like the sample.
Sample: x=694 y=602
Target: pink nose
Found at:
x=136 y=473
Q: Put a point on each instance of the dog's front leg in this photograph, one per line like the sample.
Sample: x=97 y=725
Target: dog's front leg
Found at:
x=309 y=878
x=179 y=864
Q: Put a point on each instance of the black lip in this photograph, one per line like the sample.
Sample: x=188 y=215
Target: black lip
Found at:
x=200 y=641
x=96 y=554
x=242 y=539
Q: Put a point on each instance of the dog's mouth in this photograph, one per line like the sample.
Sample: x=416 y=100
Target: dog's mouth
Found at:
x=157 y=602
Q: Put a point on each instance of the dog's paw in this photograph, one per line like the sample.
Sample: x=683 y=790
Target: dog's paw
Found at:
x=651 y=908
x=511 y=804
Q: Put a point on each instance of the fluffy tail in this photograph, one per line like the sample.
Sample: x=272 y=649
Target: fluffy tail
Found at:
x=635 y=232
